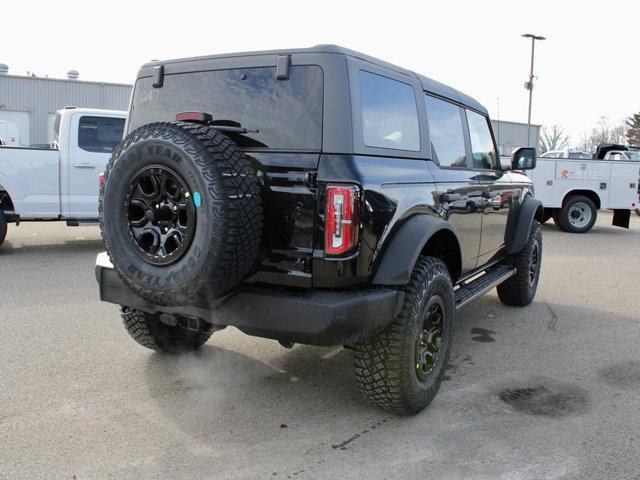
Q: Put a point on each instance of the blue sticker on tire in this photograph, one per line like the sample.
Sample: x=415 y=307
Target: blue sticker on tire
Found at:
x=197 y=201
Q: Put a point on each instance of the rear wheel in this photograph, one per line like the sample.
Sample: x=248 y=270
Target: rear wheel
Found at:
x=401 y=368
x=3 y=227
x=577 y=215
x=638 y=211
x=151 y=332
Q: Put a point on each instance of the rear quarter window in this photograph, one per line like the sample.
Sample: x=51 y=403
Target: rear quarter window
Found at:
x=100 y=134
x=280 y=114
x=389 y=113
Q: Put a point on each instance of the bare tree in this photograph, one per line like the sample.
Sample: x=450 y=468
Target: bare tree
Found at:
x=553 y=138
x=605 y=132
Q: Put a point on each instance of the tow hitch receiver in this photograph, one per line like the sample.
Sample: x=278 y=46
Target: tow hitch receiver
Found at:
x=193 y=324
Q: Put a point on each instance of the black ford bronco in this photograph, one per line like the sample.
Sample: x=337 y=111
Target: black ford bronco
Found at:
x=315 y=196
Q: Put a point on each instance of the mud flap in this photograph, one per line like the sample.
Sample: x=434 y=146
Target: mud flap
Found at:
x=621 y=218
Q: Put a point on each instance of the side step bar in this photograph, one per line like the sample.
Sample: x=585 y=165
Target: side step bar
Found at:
x=79 y=222
x=469 y=291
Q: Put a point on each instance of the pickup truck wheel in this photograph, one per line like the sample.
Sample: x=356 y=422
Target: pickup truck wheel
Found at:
x=3 y=227
x=638 y=211
x=150 y=332
x=180 y=212
x=520 y=289
x=401 y=368
x=578 y=214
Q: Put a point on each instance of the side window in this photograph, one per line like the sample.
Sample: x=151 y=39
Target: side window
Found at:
x=484 y=153
x=100 y=134
x=446 y=132
x=389 y=113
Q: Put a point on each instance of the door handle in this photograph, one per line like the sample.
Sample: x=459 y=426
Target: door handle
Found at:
x=84 y=165
x=450 y=197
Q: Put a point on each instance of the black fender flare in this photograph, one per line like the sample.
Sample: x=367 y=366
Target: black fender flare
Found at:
x=402 y=251
x=519 y=224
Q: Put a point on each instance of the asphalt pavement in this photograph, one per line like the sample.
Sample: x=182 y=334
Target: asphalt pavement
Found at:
x=548 y=391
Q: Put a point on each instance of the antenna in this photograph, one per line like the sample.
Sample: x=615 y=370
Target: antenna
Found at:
x=498 y=115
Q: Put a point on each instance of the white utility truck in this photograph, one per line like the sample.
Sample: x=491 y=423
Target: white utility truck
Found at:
x=572 y=190
x=60 y=182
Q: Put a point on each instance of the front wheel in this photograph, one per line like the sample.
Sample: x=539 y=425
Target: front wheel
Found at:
x=3 y=227
x=520 y=289
x=577 y=215
x=401 y=368
x=151 y=332
x=638 y=211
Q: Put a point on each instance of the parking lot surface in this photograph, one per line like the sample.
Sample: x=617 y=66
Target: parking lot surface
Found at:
x=548 y=391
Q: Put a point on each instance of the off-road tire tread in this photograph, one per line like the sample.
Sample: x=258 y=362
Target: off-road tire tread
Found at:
x=147 y=330
x=516 y=290
x=240 y=208
x=381 y=377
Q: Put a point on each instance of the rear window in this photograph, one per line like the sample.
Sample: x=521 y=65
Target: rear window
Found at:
x=100 y=134
x=581 y=155
x=287 y=114
x=56 y=130
x=389 y=113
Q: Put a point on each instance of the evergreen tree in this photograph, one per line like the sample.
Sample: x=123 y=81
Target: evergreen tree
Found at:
x=633 y=133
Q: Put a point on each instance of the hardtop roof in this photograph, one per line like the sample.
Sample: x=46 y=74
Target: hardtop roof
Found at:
x=428 y=84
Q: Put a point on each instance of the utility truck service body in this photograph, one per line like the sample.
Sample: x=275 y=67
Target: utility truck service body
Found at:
x=60 y=182
x=573 y=189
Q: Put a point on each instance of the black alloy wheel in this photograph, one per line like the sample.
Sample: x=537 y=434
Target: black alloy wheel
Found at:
x=160 y=215
x=429 y=339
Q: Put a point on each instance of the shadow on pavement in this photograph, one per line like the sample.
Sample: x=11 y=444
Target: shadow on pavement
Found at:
x=12 y=248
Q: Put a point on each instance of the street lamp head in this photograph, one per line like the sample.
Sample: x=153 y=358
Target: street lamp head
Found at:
x=535 y=37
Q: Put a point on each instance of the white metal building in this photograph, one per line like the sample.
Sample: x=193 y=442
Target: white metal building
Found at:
x=510 y=135
x=31 y=102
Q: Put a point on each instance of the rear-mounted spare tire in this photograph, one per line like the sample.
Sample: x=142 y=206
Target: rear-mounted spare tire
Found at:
x=180 y=212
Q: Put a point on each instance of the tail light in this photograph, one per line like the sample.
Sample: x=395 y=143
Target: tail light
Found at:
x=342 y=223
x=101 y=180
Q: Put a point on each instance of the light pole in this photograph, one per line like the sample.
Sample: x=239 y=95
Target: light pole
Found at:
x=529 y=85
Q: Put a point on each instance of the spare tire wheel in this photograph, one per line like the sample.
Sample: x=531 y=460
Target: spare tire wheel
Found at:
x=180 y=212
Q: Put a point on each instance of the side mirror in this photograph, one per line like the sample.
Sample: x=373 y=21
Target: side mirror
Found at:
x=523 y=158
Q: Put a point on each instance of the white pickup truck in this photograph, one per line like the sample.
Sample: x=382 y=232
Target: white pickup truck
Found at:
x=572 y=190
x=61 y=182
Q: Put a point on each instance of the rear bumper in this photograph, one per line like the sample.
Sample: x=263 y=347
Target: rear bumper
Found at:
x=316 y=317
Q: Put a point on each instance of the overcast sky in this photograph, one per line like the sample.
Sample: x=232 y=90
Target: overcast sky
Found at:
x=588 y=67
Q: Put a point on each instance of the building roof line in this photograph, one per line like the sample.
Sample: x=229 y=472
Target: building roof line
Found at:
x=514 y=123
x=50 y=79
